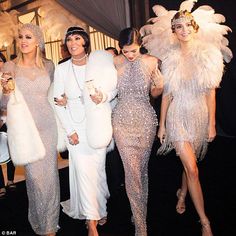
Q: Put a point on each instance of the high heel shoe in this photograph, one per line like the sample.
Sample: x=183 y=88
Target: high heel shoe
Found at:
x=206 y=228
x=2 y=193
x=180 y=206
x=102 y=221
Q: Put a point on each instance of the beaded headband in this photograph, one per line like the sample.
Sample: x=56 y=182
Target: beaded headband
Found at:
x=74 y=32
x=182 y=19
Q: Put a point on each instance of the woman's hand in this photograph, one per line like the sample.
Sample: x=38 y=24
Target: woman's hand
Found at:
x=62 y=101
x=211 y=133
x=97 y=97
x=7 y=83
x=161 y=134
x=73 y=139
x=157 y=83
x=158 y=79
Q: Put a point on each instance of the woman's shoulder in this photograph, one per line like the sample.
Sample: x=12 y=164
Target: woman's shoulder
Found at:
x=63 y=65
x=118 y=59
x=150 y=60
x=49 y=65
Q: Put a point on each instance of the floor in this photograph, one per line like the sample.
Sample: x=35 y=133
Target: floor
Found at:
x=218 y=178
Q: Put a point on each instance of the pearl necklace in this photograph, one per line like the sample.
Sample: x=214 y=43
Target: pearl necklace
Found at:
x=80 y=59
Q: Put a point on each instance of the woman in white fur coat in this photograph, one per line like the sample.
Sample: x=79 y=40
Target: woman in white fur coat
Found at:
x=89 y=84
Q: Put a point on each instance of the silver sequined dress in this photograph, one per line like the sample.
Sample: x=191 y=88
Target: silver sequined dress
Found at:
x=42 y=179
x=134 y=126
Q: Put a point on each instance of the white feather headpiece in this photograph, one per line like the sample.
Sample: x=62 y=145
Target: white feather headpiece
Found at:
x=56 y=19
x=158 y=36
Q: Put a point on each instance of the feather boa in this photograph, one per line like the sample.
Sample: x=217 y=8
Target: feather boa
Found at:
x=206 y=60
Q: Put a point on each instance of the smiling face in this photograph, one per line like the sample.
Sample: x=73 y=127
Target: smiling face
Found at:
x=131 y=52
x=75 y=44
x=27 y=41
x=184 y=31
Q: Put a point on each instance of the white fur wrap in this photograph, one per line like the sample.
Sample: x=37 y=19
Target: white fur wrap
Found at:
x=101 y=70
x=24 y=140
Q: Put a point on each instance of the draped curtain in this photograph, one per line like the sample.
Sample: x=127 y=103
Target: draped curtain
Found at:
x=107 y=16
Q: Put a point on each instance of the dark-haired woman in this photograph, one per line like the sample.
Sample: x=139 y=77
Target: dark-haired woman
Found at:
x=88 y=185
x=134 y=120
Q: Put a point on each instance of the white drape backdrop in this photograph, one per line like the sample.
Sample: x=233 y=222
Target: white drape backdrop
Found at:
x=107 y=16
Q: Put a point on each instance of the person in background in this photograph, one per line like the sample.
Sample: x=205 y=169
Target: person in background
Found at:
x=112 y=50
x=13 y=56
x=64 y=53
x=10 y=167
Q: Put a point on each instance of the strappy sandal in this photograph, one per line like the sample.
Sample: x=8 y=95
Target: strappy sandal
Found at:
x=206 y=228
x=102 y=221
x=3 y=193
x=180 y=207
x=11 y=185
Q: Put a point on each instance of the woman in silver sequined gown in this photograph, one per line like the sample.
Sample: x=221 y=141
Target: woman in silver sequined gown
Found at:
x=42 y=180
x=134 y=120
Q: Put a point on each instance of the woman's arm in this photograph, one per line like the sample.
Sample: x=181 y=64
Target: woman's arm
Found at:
x=211 y=105
x=58 y=92
x=156 y=78
x=157 y=83
x=165 y=102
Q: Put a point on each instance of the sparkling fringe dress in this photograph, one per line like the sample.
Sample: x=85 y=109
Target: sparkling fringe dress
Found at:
x=188 y=79
x=134 y=126
x=42 y=180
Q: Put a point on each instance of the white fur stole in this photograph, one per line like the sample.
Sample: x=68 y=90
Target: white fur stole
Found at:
x=100 y=69
x=24 y=141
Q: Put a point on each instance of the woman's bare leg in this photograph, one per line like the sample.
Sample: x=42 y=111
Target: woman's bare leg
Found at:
x=188 y=159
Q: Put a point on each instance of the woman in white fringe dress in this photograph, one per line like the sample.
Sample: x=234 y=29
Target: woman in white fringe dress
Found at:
x=192 y=65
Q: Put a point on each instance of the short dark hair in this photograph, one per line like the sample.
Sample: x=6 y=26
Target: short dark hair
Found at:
x=80 y=31
x=129 y=36
x=112 y=49
x=2 y=57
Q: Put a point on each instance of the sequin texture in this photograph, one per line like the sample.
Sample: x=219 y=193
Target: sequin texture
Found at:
x=42 y=180
x=134 y=126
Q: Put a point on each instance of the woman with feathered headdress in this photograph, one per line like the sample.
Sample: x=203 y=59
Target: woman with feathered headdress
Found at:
x=192 y=48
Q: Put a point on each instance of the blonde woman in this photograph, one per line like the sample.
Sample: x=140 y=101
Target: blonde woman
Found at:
x=33 y=76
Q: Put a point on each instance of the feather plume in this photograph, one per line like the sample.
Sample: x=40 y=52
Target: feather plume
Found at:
x=187 y=5
x=158 y=37
x=56 y=19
